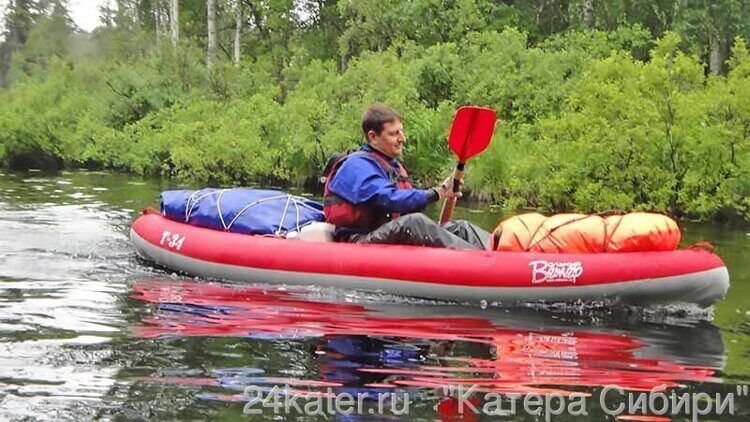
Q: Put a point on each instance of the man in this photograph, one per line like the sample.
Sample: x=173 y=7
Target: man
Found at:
x=369 y=198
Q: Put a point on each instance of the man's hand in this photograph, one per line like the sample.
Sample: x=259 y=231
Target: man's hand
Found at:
x=445 y=190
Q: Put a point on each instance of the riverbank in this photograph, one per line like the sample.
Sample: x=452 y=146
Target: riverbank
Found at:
x=582 y=127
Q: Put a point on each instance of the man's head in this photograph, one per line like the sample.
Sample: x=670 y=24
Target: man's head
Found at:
x=384 y=130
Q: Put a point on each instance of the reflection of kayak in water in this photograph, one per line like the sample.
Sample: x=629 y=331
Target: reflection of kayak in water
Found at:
x=693 y=276
x=357 y=348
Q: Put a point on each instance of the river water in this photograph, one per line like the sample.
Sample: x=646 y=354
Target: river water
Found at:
x=89 y=331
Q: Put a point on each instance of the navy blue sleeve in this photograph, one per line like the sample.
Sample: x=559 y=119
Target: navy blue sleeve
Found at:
x=359 y=180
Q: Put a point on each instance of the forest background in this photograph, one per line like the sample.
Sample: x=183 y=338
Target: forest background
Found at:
x=621 y=104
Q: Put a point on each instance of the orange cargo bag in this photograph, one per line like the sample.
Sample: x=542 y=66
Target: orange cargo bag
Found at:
x=559 y=233
x=641 y=231
x=515 y=233
x=570 y=233
x=580 y=233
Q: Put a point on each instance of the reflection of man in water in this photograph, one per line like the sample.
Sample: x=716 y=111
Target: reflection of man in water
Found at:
x=345 y=356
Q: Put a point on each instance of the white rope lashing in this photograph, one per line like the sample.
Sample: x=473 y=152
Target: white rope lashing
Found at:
x=194 y=199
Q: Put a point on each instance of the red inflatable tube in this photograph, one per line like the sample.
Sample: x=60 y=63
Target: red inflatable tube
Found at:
x=694 y=276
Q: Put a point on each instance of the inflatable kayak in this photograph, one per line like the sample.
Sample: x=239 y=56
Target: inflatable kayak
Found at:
x=693 y=276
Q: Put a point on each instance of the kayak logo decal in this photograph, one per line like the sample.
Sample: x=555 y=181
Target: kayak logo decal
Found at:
x=555 y=272
x=172 y=240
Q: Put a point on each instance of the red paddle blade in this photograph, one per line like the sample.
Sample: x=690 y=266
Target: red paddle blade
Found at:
x=471 y=131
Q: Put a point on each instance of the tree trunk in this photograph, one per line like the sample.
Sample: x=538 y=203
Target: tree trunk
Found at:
x=107 y=14
x=717 y=57
x=587 y=14
x=213 y=42
x=174 y=19
x=126 y=8
x=237 y=33
x=159 y=26
x=155 y=12
x=344 y=63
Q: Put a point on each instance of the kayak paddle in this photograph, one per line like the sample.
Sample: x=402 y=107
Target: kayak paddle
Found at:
x=470 y=134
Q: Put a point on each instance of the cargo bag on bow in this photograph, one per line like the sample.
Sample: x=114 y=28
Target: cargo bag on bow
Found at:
x=581 y=233
x=640 y=231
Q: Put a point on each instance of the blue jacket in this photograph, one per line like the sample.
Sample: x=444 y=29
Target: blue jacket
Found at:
x=360 y=179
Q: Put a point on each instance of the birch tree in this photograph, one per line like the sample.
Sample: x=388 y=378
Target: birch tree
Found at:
x=159 y=19
x=213 y=41
x=174 y=20
x=238 y=33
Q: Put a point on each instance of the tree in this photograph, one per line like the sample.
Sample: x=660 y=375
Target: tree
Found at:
x=711 y=27
x=375 y=25
x=107 y=14
x=320 y=26
x=238 y=31
x=19 y=17
x=213 y=38
x=174 y=20
x=49 y=36
x=160 y=18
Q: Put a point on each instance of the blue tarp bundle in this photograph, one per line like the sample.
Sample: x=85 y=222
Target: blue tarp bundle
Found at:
x=242 y=210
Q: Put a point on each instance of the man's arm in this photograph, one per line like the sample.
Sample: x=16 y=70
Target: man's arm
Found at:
x=359 y=180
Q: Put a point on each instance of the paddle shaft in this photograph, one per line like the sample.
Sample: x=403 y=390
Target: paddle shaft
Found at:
x=450 y=203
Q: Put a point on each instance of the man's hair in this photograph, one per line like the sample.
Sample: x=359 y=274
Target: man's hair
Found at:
x=376 y=116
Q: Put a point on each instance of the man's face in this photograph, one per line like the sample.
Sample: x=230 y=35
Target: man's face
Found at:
x=390 y=141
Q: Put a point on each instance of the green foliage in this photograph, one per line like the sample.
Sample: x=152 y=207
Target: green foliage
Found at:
x=654 y=136
x=602 y=105
x=38 y=117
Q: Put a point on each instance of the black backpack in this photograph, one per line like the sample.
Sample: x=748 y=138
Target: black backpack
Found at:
x=332 y=160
